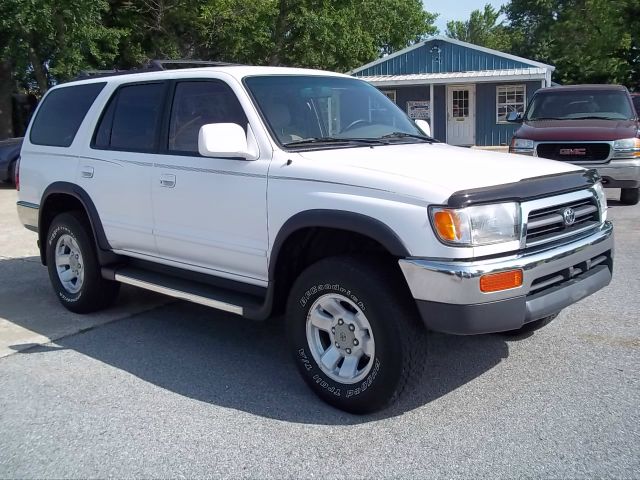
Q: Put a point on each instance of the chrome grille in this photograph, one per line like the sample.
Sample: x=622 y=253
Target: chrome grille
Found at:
x=548 y=224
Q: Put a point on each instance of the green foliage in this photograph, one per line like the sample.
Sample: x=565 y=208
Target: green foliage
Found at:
x=589 y=41
x=482 y=28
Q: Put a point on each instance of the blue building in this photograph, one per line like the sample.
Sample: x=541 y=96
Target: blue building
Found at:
x=465 y=91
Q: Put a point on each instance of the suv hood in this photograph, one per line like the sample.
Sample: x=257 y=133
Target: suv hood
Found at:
x=426 y=170
x=577 y=130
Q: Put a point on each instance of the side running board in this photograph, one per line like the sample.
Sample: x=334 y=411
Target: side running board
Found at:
x=191 y=291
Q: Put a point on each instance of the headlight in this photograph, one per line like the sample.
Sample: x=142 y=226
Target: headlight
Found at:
x=602 y=200
x=522 y=143
x=627 y=148
x=477 y=225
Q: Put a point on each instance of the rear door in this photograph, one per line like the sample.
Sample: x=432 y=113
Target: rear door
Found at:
x=116 y=169
x=210 y=213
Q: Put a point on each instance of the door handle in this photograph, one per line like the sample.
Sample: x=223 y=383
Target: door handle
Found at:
x=167 y=180
x=86 y=172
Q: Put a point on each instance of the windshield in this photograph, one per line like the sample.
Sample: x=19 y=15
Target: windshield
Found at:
x=315 y=109
x=583 y=104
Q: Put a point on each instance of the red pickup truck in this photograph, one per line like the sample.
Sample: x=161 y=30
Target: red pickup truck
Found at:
x=594 y=126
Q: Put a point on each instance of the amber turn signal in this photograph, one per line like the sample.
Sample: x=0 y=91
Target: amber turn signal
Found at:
x=495 y=282
x=448 y=225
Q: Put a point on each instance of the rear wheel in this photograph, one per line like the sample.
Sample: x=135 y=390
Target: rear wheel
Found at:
x=630 y=196
x=73 y=266
x=12 y=173
x=356 y=337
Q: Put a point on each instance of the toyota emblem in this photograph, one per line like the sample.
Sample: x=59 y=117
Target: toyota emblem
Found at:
x=569 y=216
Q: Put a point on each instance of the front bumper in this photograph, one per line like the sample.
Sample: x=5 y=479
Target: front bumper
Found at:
x=449 y=298
x=622 y=173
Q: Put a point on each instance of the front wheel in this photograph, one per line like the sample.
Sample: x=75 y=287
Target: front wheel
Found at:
x=354 y=333
x=73 y=266
x=630 y=196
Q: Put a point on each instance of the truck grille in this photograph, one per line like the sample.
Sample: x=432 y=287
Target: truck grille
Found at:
x=574 y=152
x=548 y=224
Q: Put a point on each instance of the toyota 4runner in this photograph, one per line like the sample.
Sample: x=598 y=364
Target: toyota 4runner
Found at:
x=256 y=190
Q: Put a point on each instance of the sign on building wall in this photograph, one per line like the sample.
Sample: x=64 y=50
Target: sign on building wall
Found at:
x=419 y=109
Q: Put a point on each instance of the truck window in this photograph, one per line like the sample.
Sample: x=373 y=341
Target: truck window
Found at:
x=61 y=113
x=198 y=103
x=131 y=119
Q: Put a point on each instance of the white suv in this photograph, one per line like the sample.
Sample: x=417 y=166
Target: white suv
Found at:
x=256 y=190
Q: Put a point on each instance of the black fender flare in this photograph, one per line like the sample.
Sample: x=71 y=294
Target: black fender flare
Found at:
x=83 y=197
x=339 y=220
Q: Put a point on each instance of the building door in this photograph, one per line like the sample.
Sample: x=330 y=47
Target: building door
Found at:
x=461 y=115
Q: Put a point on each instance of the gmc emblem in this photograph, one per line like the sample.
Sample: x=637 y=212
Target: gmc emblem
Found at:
x=573 y=151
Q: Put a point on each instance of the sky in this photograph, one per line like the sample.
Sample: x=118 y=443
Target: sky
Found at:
x=456 y=9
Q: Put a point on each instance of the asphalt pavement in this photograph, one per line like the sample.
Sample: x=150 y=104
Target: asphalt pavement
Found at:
x=158 y=388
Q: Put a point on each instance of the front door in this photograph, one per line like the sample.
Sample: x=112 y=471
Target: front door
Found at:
x=461 y=115
x=209 y=213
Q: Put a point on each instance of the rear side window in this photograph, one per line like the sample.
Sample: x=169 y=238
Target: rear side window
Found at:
x=61 y=113
x=131 y=119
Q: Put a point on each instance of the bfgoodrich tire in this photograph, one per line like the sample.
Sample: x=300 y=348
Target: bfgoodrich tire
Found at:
x=630 y=196
x=355 y=333
x=73 y=267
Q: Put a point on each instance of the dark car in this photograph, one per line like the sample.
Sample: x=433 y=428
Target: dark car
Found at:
x=594 y=126
x=9 y=153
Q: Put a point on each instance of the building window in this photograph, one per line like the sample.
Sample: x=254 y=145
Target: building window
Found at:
x=390 y=94
x=510 y=98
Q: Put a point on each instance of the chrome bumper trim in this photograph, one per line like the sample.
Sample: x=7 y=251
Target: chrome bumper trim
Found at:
x=458 y=283
x=29 y=214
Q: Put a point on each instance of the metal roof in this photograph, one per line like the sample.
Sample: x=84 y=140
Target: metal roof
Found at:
x=451 y=41
x=457 y=77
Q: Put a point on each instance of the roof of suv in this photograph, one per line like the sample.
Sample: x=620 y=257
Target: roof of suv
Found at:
x=573 y=88
x=236 y=71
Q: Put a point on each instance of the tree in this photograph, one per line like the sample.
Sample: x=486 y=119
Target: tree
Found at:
x=589 y=41
x=329 y=34
x=482 y=28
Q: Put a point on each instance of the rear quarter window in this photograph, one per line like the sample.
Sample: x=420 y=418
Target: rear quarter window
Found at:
x=61 y=113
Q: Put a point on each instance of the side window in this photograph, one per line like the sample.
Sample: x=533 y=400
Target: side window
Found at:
x=199 y=103
x=61 y=114
x=131 y=119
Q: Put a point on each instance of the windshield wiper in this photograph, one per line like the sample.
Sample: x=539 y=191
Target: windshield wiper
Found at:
x=424 y=138
x=596 y=117
x=335 y=140
x=545 y=118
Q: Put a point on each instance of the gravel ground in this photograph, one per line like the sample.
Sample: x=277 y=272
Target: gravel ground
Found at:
x=182 y=391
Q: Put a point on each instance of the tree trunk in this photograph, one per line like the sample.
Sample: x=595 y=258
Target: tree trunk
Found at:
x=6 y=100
x=38 y=71
x=279 y=32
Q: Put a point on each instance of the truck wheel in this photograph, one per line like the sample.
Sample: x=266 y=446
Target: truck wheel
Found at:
x=12 y=173
x=355 y=333
x=630 y=196
x=531 y=326
x=73 y=267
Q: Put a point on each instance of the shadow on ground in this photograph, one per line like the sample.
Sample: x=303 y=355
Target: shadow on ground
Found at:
x=224 y=360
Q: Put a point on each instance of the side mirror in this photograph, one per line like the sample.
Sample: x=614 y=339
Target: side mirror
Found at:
x=514 y=117
x=424 y=126
x=227 y=140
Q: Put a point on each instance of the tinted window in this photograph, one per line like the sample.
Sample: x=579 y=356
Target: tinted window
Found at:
x=200 y=103
x=130 y=121
x=577 y=104
x=61 y=113
x=636 y=103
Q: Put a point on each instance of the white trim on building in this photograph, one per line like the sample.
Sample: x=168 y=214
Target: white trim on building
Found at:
x=511 y=75
x=543 y=66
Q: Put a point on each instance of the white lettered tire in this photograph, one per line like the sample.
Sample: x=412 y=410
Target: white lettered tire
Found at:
x=354 y=332
x=73 y=267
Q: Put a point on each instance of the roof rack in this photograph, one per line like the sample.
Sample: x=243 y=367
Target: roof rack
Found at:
x=153 y=66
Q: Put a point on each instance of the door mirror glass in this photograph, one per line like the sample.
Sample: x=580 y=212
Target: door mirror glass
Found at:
x=226 y=140
x=514 y=117
x=424 y=126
